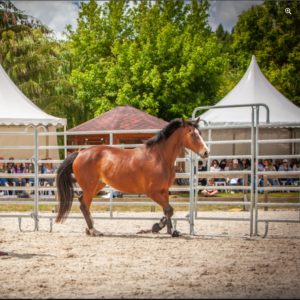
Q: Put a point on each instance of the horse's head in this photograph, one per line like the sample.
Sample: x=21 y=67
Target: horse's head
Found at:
x=193 y=139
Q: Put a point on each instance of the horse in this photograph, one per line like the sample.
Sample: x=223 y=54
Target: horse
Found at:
x=147 y=169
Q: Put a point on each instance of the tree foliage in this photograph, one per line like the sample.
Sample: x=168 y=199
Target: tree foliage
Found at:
x=37 y=63
x=271 y=34
x=159 y=56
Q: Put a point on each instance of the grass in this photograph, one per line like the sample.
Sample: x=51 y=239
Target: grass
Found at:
x=292 y=197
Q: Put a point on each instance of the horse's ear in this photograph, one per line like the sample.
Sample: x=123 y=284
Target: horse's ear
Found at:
x=197 y=121
x=183 y=122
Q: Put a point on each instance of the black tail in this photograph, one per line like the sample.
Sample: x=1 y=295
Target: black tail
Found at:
x=64 y=183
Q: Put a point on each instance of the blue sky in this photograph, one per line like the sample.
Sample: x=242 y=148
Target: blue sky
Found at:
x=57 y=14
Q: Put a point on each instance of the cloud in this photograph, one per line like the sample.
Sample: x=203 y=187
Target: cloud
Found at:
x=227 y=12
x=55 y=14
x=58 y=14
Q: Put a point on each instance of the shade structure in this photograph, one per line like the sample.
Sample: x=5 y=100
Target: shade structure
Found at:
x=118 y=120
x=254 y=87
x=19 y=114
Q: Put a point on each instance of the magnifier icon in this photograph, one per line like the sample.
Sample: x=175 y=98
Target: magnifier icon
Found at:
x=288 y=11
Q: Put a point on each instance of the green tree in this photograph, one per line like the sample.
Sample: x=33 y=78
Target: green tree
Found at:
x=99 y=26
x=12 y=18
x=274 y=37
x=37 y=63
x=159 y=56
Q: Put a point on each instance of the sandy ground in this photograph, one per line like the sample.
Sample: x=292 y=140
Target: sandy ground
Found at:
x=219 y=261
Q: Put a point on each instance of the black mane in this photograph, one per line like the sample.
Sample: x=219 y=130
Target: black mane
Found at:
x=167 y=131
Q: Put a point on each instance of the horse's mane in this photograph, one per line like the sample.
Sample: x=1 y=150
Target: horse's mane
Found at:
x=167 y=131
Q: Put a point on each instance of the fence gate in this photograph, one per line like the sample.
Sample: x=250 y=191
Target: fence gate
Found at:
x=248 y=204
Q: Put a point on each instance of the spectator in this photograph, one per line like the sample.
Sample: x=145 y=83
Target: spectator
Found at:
x=214 y=166
x=113 y=194
x=210 y=189
x=29 y=168
x=10 y=169
x=260 y=166
x=296 y=167
x=246 y=164
x=181 y=181
x=268 y=166
x=236 y=166
x=223 y=165
x=47 y=168
x=20 y=181
x=277 y=164
x=202 y=168
x=284 y=167
x=3 y=180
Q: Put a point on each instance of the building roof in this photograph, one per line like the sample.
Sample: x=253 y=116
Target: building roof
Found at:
x=254 y=87
x=17 y=109
x=122 y=118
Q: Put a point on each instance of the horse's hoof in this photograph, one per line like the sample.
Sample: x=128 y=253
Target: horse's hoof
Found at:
x=175 y=233
x=93 y=232
x=155 y=228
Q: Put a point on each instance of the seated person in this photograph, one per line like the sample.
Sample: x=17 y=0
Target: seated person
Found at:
x=284 y=167
x=210 y=189
x=19 y=181
x=3 y=180
x=113 y=194
x=268 y=166
x=202 y=168
x=236 y=166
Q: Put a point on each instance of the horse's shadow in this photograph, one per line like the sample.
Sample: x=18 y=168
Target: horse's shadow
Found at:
x=146 y=236
x=11 y=254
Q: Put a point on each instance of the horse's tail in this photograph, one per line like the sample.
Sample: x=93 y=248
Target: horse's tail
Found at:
x=64 y=183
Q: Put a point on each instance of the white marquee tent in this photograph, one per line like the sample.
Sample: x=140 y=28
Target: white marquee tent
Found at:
x=254 y=87
x=19 y=114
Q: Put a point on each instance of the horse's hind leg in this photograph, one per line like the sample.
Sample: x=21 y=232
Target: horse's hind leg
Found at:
x=85 y=200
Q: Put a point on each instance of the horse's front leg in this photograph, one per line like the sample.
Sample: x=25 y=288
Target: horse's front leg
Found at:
x=162 y=199
x=169 y=211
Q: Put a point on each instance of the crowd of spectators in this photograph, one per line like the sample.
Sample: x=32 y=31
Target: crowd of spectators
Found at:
x=245 y=164
x=12 y=167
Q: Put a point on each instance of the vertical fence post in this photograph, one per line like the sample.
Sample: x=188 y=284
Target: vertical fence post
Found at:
x=192 y=204
x=65 y=142
x=256 y=169
x=253 y=161
x=111 y=142
x=36 y=178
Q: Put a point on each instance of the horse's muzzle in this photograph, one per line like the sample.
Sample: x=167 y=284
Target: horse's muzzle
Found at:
x=205 y=154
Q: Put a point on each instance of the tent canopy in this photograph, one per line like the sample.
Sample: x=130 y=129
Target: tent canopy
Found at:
x=17 y=109
x=17 y=113
x=254 y=87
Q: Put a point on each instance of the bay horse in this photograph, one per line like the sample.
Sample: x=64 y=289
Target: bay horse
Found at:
x=147 y=169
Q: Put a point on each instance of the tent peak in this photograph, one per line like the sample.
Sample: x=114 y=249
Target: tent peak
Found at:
x=17 y=109
x=254 y=87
